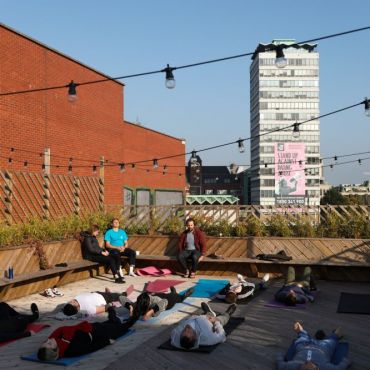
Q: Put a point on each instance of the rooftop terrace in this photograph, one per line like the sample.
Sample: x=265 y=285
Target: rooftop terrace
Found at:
x=253 y=345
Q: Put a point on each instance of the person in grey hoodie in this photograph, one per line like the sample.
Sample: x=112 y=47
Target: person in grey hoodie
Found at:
x=307 y=353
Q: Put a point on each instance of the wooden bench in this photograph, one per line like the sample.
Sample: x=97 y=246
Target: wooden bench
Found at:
x=60 y=275
x=323 y=269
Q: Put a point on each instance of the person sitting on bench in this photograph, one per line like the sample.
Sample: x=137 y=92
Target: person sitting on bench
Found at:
x=202 y=330
x=116 y=240
x=192 y=244
x=91 y=303
x=92 y=251
x=307 y=353
x=241 y=289
x=296 y=291
x=152 y=305
x=83 y=338
x=13 y=325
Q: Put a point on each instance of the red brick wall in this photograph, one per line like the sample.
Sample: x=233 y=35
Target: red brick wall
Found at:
x=91 y=127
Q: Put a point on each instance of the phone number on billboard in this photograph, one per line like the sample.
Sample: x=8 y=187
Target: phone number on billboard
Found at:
x=289 y=201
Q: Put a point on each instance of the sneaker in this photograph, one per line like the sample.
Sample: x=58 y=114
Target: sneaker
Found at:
x=49 y=293
x=189 y=292
x=56 y=292
x=187 y=274
x=132 y=274
x=266 y=278
x=241 y=278
x=35 y=310
x=231 y=309
x=192 y=275
x=119 y=280
x=207 y=309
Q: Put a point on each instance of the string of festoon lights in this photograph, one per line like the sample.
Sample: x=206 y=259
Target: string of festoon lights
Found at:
x=155 y=161
x=170 y=81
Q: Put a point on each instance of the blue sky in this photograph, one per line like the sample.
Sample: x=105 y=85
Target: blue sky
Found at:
x=210 y=104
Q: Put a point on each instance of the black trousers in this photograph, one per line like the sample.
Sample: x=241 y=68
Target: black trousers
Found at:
x=12 y=323
x=194 y=255
x=113 y=261
x=83 y=343
x=128 y=252
x=172 y=298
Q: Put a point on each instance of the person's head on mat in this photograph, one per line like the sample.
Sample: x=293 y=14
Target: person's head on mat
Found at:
x=309 y=365
x=188 y=337
x=48 y=351
x=291 y=299
x=231 y=296
x=142 y=304
x=71 y=308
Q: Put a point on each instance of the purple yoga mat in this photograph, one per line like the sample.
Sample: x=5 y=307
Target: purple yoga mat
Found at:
x=276 y=304
x=161 y=285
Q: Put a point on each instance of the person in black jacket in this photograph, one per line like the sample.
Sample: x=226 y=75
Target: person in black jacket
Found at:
x=13 y=325
x=92 y=251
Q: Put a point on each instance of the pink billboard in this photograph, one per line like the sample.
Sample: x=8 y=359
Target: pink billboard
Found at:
x=289 y=174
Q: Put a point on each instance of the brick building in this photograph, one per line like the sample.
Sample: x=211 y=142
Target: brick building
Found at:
x=90 y=128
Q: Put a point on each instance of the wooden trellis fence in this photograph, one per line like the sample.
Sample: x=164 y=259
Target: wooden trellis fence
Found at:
x=156 y=216
x=24 y=195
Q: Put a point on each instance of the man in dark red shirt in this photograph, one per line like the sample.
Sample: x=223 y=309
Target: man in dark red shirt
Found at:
x=192 y=244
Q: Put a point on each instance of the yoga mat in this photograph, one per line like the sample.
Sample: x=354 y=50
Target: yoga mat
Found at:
x=153 y=271
x=233 y=323
x=33 y=326
x=66 y=361
x=276 y=304
x=206 y=288
x=354 y=303
x=158 y=285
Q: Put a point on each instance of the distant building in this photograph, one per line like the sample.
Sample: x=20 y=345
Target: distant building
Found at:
x=80 y=135
x=284 y=169
x=216 y=180
x=359 y=190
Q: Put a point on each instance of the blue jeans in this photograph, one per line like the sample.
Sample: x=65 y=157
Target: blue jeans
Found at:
x=327 y=345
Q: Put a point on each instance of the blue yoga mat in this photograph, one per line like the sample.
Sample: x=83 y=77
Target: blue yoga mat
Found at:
x=66 y=361
x=207 y=288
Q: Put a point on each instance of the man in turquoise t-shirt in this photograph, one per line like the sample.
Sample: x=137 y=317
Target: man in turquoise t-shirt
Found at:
x=116 y=240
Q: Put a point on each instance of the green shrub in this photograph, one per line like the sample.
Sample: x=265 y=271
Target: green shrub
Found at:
x=303 y=227
x=255 y=227
x=279 y=225
x=174 y=225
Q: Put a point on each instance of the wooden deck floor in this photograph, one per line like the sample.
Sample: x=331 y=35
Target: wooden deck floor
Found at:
x=253 y=345
x=266 y=331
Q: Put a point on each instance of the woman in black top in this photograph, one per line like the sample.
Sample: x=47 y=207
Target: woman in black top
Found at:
x=92 y=251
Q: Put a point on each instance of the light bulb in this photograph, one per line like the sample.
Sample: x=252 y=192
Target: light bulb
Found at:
x=280 y=60
x=241 y=145
x=367 y=107
x=170 y=79
x=72 y=94
x=296 y=131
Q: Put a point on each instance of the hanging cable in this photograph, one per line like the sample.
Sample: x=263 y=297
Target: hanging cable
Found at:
x=171 y=69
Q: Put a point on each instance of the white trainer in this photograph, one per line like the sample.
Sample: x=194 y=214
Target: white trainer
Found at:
x=241 y=278
x=266 y=277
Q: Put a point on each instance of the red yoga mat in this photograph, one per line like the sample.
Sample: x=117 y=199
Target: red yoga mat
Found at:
x=159 y=286
x=34 y=327
x=153 y=271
